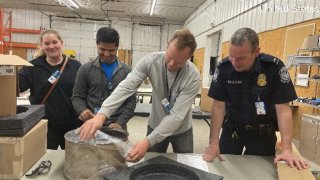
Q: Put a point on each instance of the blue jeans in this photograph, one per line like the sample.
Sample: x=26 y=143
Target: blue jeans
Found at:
x=262 y=146
x=181 y=143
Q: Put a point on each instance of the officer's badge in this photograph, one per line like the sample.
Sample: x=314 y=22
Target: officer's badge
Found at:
x=284 y=75
x=262 y=80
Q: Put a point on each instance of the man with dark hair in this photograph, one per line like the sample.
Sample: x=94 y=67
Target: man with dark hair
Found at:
x=175 y=81
x=107 y=35
x=251 y=93
x=96 y=81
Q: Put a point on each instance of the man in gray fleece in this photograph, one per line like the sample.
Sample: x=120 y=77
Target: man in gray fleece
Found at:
x=96 y=81
x=175 y=81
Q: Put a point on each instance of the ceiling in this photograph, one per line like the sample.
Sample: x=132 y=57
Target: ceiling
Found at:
x=165 y=10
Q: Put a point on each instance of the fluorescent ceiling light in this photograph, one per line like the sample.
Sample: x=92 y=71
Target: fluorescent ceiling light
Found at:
x=153 y=5
x=69 y=3
x=88 y=3
x=73 y=4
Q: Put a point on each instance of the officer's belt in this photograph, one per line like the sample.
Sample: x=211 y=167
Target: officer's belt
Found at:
x=247 y=130
x=258 y=130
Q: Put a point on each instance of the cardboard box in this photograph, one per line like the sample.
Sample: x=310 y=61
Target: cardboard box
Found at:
x=205 y=100
x=311 y=42
x=8 y=83
x=19 y=154
x=285 y=172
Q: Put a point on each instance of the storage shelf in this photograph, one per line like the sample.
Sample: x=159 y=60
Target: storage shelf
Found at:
x=315 y=80
x=310 y=49
x=27 y=31
x=24 y=45
x=313 y=60
x=296 y=60
x=307 y=104
x=311 y=79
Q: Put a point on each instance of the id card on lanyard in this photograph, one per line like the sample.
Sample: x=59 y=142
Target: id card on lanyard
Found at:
x=260 y=107
x=167 y=103
x=53 y=78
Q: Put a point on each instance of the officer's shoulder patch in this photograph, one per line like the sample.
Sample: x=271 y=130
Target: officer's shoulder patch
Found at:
x=268 y=58
x=284 y=75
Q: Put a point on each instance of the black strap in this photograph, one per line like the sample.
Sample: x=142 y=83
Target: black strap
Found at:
x=109 y=82
x=43 y=168
x=167 y=83
x=44 y=99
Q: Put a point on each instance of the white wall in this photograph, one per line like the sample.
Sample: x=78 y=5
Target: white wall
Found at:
x=145 y=39
x=150 y=38
x=166 y=33
x=260 y=15
x=213 y=45
x=78 y=36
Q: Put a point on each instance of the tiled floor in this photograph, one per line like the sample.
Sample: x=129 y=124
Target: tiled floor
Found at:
x=137 y=128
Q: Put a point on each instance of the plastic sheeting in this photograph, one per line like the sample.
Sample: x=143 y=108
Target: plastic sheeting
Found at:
x=94 y=158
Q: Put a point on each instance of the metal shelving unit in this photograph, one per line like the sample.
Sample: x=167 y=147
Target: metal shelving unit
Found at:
x=296 y=60
x=309 y=105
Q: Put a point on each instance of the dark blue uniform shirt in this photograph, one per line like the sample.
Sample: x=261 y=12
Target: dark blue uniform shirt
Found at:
x=268 y=81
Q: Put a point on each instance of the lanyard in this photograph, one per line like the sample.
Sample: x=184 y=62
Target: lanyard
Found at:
x=167 y=82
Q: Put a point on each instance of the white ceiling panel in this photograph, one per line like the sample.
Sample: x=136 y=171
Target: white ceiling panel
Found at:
x=165 y=10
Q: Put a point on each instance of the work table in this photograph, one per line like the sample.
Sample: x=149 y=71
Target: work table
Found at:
x=234 y=167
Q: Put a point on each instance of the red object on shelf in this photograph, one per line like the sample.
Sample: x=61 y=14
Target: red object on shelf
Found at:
x=27 y=31
x=5 y=31
x=24 y=45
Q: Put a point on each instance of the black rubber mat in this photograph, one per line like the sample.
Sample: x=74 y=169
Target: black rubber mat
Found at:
x=163 y=171
x=19 y=124
x=161 y=168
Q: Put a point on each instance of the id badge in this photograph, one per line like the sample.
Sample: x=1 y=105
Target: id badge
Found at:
x=96 y=110
x=166 y=104
x=110 y=86
x=54 y=77
x=260 y=107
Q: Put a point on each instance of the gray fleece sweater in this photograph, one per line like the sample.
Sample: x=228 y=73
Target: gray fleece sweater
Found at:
x=184 y=91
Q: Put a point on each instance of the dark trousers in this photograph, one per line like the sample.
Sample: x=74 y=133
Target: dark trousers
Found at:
x=255 y=145
x=181 y=143
x=55 y=136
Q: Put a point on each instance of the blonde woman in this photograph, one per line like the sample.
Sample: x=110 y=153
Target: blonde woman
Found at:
x=50 y=67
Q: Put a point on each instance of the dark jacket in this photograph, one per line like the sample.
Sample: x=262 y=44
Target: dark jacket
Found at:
x=58 y=107
x=91 y=90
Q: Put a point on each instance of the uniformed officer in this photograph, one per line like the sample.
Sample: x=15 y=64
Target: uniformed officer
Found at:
x=251 y=92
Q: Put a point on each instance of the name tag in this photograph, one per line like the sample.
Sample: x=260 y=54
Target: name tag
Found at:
x=54 y=77
x=234 y=82
x=166 y=104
